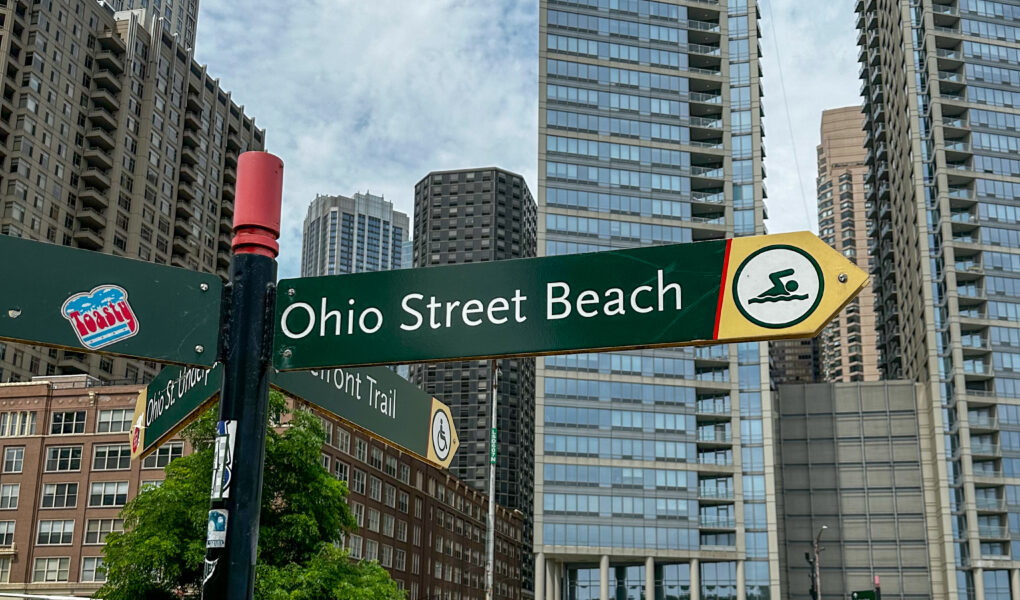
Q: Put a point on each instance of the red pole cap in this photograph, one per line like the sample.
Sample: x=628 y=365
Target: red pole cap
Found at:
x=259 y=203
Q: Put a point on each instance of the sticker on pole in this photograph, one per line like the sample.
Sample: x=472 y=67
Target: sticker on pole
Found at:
x=443 y=442
x=778 y=286
x=216 y=534
x=223 y=459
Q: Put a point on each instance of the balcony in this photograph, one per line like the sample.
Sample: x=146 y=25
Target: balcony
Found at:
x=706 y=122
x=706 y=494
x=226 y=225
x=708 y=197
x=185 y=192
x=188 y=156
x=187 y=174
x=109 y=61
x=105 y=99
x=228 y=191
x=73 y=362
x=229 y=175
x=96 y=178
x=98 y=157
x=109 y=40
x=193 y=120
x=101 y=117
x=711 y=435
x=183 y=244
x=194 y=102
x=91 y=218
x=704 y=98
x=706 y=522
x=100 y=138
x=107 y=79
x=88 y=238
x=185 y=209
x=224 y=242
x=93 y=197
x=190 y=139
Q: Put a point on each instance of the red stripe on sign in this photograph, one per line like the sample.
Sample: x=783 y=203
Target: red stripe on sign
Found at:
x=722 y=290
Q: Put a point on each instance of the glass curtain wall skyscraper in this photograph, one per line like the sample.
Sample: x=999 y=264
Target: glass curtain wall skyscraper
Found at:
x=941 y=87
x=353 y=235
x=651 y=472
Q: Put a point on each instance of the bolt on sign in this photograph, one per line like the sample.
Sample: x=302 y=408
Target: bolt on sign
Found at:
x=752 y=288
x=90 y=302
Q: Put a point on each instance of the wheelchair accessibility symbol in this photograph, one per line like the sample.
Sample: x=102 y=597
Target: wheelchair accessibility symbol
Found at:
x=442 y=435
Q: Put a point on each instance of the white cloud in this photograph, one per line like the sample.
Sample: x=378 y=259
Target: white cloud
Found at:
x=360 y=96
x=817 y=54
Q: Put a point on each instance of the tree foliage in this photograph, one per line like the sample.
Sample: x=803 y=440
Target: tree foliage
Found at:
x=161 y=552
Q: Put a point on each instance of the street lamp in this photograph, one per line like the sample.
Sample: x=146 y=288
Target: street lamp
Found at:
x=812 y=560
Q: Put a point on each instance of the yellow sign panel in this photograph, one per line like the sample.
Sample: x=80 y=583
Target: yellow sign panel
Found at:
x=786 y=285
x=443 y=441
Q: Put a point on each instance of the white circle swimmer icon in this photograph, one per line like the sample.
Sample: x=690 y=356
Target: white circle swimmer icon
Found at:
x=778 y=286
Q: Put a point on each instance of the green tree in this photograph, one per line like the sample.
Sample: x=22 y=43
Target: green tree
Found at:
x=161 y=552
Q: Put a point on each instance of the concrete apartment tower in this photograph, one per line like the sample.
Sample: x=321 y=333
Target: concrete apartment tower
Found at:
x=126 y=146
x=353 y=235
x=653 y=469
x=848 y=349
x=481 y=215
x=940 y=93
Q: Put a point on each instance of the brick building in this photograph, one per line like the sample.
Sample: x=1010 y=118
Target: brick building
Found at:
x=67 y=471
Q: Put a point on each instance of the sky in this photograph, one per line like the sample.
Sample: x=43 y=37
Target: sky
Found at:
x=370 y=96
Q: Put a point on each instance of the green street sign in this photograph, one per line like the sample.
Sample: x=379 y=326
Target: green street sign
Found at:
x=863 y=595
x=91 y=302
x=380 y=402
x=174 y=399
x=752 y=288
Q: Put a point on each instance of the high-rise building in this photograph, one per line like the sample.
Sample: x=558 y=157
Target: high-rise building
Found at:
x=352 y=235
x=178 y=18
x=794 y=361
x=939 y=101
x=859 y=460
x=479 y=215
x=653 y=471
x=848 y=345
x=124 y=145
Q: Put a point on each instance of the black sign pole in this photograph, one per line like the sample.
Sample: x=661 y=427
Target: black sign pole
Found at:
x=240 y=448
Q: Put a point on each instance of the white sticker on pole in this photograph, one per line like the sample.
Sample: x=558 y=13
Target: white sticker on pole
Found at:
x=223 y=457
x=216 y=535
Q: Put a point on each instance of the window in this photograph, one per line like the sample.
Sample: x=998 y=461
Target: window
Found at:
x=371 y=550
x=375 y=489
x=391 y=496
x=9 y=493
x=112 y=457
x=387 y=525
x=5 y=569
x=402 y=531
x=92 y=569
x=386 y=558
x=96 y=530
x=52 y=533
x=114 y=421
x=108 y=493
x=401 y=560
x=63 y=458
x=361 y=450
x=402 y=501
x=343 y=440
x=377 y=458
x=356 y=546
x=162 y=456
x=13 y=459
x=373 y=520
x=358 y=482
x=51 y=569
x=404 y=474
x=64 y=423
x=325 y=461
x=359 y=513
x=391 y=466
x=17 y=423
x=341 y=471
x=60 y=495
x=6 y=533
